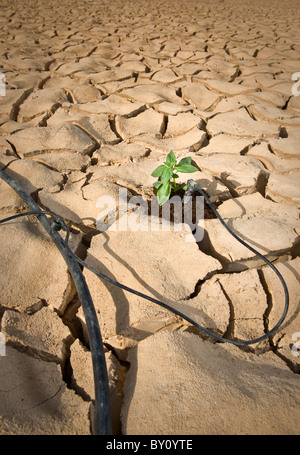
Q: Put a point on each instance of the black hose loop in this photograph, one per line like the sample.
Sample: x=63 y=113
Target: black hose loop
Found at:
x=191 y=187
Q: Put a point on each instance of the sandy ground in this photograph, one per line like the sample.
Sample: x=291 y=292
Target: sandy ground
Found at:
x=94 y=95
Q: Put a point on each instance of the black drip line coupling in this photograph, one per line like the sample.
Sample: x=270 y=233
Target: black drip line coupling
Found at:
x=102 y=403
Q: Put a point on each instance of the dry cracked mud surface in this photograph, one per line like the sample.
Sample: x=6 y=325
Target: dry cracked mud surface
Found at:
x=96 y=95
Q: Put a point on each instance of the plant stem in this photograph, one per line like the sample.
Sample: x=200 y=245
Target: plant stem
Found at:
x=175 y=186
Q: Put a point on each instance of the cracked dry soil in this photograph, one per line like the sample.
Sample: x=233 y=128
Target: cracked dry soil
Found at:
x=96 y=95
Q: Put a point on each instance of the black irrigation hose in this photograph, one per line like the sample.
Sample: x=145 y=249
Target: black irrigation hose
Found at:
x=102 y=403
x=100 y=373
x=192 y=186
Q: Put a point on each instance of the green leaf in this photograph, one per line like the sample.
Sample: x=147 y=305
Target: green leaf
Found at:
x=186 y=160
x=158 y=171
x=166 y=174
x=163 y=193
x=175 y=176
x=171 y=159
x=157 y=184
x=186 y=168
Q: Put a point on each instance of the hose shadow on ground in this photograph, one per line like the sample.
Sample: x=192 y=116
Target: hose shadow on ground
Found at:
x=122 y=302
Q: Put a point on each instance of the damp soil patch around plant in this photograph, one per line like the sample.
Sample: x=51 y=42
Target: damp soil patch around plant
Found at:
x=176 y=210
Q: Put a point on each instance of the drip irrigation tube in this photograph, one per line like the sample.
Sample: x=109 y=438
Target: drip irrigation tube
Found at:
x=103 y=424
x=193 y=186
x=102 y=404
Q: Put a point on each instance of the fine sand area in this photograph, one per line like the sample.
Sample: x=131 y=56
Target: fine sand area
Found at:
x=96 y=94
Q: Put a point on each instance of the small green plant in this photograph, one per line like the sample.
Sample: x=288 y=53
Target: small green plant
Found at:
x=167 y=173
